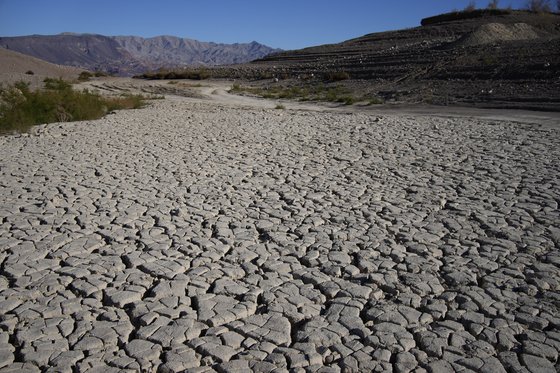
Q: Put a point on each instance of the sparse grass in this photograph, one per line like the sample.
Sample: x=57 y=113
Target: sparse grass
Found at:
x=21 y=108
x=280 y=107
x=539 y=6
x=185 y=84
x=461 y=15
x=187 y=73
x=57 y=85
x=319 y=92
x=128 y=101
x=375 y=101
x=346 y=100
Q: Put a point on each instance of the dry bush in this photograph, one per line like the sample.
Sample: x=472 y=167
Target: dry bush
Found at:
x=471 y=6
x=539 y=6
x=336 y=76
x=493 y=4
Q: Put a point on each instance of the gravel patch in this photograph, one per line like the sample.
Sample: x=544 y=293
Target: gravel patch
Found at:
x=198 y=237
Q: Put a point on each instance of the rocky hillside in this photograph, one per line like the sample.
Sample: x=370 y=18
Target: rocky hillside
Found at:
x=128 y=55
x=497 y=58
x=170 y=50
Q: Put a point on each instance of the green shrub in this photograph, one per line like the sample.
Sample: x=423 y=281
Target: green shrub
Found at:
x=127 y=101
x=84 y=76
x=306 y=93
x=56 y=84
x=21 y=108
x=189 y=73
x=375 y=101
x=280 y=107
x=336 y=76
x=346 y=100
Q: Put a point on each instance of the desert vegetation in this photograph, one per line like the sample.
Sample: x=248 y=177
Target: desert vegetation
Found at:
x=537 y=6
x=493 y=4
x=492 y=9
x=319 y=92
x=187 y=73
x=336 y=76
x=540 y=6
x=470 y=6
x=87 y=75
x=21 y=108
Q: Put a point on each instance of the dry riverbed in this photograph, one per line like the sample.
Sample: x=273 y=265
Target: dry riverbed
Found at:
x=206 y=235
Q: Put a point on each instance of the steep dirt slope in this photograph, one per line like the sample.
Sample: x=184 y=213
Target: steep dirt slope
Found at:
x=15 y=66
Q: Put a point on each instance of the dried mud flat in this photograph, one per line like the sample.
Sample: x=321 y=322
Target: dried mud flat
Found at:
x=200 y=236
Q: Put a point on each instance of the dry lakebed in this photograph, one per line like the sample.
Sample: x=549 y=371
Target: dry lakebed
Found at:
x=221 y=235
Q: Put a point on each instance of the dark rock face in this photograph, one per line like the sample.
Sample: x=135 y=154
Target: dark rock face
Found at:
x=127 y=55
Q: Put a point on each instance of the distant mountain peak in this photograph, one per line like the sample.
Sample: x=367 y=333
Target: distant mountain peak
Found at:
x=129 y=55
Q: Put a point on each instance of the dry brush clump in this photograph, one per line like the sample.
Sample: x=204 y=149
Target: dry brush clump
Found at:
x=318 y=92
x=21 y=108
x=187 y=73
x=493 y=4
x=87 y=75
x=463 y=15
x=336 y=76
x=471 y=6
x=539 y=6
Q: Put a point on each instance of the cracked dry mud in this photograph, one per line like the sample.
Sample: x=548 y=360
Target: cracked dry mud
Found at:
x=199 y=237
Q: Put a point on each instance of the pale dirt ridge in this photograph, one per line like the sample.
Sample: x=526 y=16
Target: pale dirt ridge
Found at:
x=195 y=236
x=14 y=66
x=497 y=33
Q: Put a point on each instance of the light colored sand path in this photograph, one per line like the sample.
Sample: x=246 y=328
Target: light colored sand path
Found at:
x=205 y=235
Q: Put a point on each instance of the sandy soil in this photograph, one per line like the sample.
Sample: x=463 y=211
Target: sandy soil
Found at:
x=14 y=67
x=216 y=233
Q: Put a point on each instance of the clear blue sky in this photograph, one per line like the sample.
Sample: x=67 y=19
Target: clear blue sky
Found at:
x=287 y=24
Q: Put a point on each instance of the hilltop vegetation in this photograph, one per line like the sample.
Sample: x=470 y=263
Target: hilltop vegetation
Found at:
x=21 y=108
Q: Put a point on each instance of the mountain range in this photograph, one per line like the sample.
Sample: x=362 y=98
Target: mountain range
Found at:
x=129 y=55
